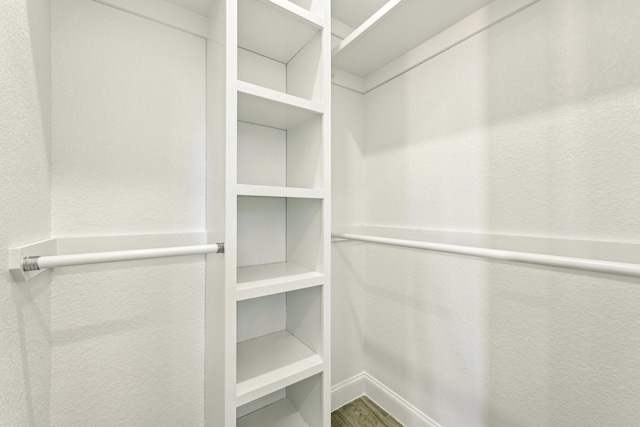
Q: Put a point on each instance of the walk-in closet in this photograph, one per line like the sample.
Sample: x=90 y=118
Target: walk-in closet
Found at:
x=319 y=213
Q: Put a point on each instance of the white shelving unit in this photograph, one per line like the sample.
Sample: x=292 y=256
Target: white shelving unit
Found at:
x=268 y=330
x=393 y=30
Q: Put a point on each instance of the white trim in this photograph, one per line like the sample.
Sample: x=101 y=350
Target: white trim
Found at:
x=347 y=81
x=364 y=384
x=16 y=254
x=348 y=390
x=87 y=244
x=399 y=408
x=164 y=13
x=475 y=23
x=340 y=29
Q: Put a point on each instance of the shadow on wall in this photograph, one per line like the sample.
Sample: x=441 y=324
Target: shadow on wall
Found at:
x=25 y=117
x=33 y=330
x=347 y=310
x=562 y=111
x=529 y=128
x=39 y=16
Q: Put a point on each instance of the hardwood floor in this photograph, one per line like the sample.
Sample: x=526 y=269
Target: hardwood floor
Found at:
x=362 y=412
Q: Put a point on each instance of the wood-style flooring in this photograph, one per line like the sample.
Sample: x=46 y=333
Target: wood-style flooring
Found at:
x=362 y=412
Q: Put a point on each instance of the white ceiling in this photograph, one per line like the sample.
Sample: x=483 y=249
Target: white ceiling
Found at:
x=198 y=6
x=354 y=12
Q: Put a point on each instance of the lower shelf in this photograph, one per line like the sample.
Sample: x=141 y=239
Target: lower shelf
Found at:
x=272 y=362
x=281 y=414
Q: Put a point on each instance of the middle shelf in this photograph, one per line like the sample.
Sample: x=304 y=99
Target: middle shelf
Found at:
x=273 y=108
x=261 y=280
x=277 y=191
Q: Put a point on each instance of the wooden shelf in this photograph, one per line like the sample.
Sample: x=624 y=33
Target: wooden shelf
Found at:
x=281 y=414
x=271 y=108
x=271 y=362
x=398 y=27
x=262 y=280
x=277 y=29
x=269 y=191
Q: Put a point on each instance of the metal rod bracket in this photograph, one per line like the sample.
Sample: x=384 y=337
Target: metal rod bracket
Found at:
x=30 y=263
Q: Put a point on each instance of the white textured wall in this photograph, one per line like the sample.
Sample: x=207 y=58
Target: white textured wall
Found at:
x=128 y=158
x=25 y=112
x=529 y=128
x=347 y=308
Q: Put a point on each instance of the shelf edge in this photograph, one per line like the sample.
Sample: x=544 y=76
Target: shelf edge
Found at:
x=359 y=32
x=260 y=386
x=299 y=12
x=250 y=290
x=280 y=97
x=287 y=192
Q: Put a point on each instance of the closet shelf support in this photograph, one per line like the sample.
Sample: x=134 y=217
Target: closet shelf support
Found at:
x=585 y=264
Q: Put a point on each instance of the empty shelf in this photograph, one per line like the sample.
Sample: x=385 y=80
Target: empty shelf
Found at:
x=262 y=280
x=394 y=30
x=277 y=29
x=271 y=108
x=271 y=362
x=269 y=191
x=281 y=414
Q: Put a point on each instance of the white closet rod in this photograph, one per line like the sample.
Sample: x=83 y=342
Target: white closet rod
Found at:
x=585 y=264
x=32 y=263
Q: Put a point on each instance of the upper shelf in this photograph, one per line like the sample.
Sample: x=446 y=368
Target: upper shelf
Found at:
x=398 y=27
x=277 y=29
x=271 y=108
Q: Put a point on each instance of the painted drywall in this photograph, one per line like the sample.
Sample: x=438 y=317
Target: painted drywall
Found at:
x=25 y=115
x=128 y=158
x=528 y=128
x=347 y=259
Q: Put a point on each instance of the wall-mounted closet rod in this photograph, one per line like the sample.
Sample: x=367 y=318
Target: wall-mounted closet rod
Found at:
x=32 y=263
x=585 y=264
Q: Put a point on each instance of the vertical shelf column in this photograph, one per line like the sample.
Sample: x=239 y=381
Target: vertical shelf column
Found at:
x=220 y=321
x=268 y=312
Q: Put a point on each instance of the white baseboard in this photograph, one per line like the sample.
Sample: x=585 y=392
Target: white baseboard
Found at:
x=364 y=384
x=348 y=390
